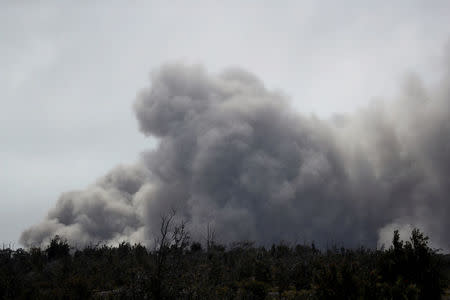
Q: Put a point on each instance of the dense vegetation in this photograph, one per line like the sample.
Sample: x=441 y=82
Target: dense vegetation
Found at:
x=180 y=269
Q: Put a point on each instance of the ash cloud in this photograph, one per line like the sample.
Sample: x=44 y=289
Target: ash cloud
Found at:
x=237 y=156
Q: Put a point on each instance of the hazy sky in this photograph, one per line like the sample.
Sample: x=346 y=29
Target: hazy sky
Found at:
x=70 y=71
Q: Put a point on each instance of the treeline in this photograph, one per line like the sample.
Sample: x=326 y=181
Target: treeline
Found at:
x=180 y=269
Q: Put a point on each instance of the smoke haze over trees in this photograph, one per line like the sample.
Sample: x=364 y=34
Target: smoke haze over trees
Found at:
x=236 y=156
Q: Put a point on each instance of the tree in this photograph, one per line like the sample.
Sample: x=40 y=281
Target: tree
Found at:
x=413 y=262
x=58 y=248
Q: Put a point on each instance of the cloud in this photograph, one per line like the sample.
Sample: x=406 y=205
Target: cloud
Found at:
x=237 y=156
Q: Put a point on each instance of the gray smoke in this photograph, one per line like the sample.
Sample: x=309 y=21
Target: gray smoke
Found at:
x=236 y=156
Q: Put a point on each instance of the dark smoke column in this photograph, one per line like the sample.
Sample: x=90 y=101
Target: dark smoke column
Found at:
x=235 y=155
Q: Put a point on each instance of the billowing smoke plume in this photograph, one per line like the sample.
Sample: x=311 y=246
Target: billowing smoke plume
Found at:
x=234 y=155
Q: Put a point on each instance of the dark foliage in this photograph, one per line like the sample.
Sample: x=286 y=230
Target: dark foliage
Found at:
x=179 y=269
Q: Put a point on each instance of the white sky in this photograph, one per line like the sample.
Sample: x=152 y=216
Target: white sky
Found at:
x=69 y=72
